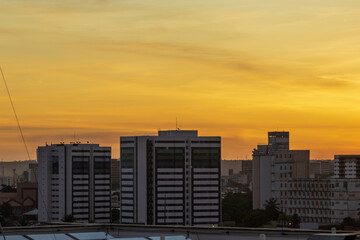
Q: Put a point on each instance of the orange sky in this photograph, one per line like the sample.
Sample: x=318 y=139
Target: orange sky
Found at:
x=232 y=68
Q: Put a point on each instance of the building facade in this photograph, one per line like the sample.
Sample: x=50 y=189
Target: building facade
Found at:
x=231 y=167
x=23 y=200
x=321 y=168
x=74 y=179
x=284 y=175
x=172 y=178
x=347 y=166
x=115 y=174
x=274 y=165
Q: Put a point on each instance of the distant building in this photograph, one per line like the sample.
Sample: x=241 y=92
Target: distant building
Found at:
x=115 y=174
x=321 y=201
x=74 y=179
x=6 y=168
x=33 y=172
x=283 y=175
x=8 y=181
x=347 y=166
x=247 y=167
x=274 y=165
x=230 y=167
x=321 y=168
x=23 y=200
x=235 y=172
x=172 y=178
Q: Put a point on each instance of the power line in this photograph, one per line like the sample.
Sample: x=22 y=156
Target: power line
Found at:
x=27 y=151
x=16 y=117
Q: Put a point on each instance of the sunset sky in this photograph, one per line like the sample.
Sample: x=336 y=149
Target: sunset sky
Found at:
x=230 y=68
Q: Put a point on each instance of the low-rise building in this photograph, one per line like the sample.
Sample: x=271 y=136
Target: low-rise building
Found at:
x=23 y=200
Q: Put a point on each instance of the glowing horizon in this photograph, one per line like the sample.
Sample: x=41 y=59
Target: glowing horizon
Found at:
x=235 y=69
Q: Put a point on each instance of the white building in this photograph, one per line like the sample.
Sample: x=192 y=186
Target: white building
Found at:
x=172 y=178
x=74 y=179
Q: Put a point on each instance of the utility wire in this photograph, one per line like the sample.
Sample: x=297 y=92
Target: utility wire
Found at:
x=16 y=117
x=27 y=151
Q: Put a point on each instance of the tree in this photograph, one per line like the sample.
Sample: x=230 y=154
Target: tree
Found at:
x=6 y=210
x=295 y=221
x=284 y=219
x=236 y=206
x=348 y=221
x=2 y=221
x=115 y=215
x=68 y=218
x=272 y=209
x=116 y=194
x=256 y=218
x=7 y=189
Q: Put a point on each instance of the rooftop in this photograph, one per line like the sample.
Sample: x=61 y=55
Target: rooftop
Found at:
x=76 y=231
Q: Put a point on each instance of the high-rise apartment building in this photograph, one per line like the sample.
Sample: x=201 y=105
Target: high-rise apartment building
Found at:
x=74 y=179
x=172 y=178
x=274 y=165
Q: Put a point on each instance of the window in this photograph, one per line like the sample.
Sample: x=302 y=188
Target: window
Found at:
x=127 y=157
x=80 y=165
x=206 y=157
x=102 y=165
x=55 y=164
x=170 y=157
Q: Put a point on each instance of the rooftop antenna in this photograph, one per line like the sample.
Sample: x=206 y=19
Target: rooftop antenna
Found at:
x=177 y=128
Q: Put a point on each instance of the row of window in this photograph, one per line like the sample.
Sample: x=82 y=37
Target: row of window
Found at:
x=306 y=194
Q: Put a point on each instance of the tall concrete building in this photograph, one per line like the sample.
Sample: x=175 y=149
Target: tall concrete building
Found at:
x=74 y=179
x=274 y=165
x=172 y=178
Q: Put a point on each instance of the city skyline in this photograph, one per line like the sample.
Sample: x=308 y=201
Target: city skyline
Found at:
x=235 y=69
